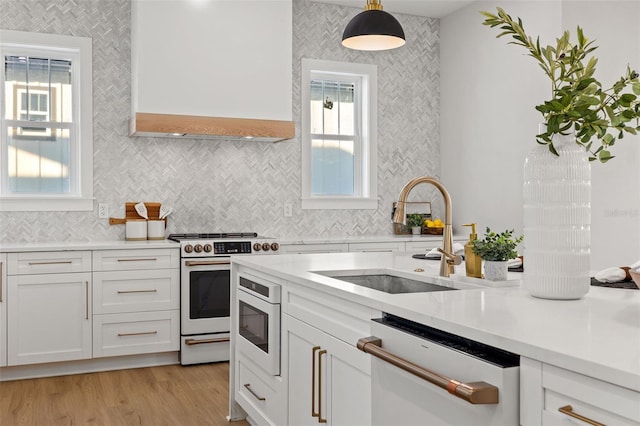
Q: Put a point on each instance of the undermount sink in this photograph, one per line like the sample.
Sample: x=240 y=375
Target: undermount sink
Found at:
x=385 y=282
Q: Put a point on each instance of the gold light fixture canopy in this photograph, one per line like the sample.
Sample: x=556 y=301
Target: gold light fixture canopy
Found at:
x=373 y=29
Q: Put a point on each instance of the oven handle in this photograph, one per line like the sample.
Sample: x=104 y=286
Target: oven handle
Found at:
x=191 y=342
x=475 y=393
x=206 y=262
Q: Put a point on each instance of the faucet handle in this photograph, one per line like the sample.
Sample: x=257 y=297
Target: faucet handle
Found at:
x=453 y=259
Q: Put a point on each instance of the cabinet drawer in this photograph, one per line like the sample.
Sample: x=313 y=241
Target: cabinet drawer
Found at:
x=259 y=393
x=136 y=291
x=376 y=247
x=597 y=400
x=346 y=320
x=50 y=262
x=128 y=260
x=136 y=333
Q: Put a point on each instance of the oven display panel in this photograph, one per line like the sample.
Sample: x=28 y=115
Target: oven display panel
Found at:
x=232 y=247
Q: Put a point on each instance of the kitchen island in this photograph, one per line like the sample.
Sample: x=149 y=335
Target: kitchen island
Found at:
x=597 y=336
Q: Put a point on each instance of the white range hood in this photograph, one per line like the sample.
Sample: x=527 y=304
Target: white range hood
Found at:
x=213 y=70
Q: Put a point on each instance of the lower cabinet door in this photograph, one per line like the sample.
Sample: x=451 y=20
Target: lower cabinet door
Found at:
x=136 y=333
x=49 y=318
x=328 y=380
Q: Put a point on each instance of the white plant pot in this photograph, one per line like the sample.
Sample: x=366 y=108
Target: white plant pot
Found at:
x=495 y=270
x=416 y=230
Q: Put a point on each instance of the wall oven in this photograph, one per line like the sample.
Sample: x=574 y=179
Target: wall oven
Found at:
x=258 y=321
x=205 y=284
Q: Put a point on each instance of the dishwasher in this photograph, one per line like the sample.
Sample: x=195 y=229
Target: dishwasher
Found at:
x=424 y=376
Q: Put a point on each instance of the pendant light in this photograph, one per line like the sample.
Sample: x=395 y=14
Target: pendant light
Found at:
x=373 y=29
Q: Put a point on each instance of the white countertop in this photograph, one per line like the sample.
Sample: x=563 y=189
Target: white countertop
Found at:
x=369 y=239
x=598 y=335
x=86 y=245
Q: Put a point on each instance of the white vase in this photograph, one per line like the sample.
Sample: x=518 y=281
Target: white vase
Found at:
x=416 y=230
x=495 y=270
x=557 y=220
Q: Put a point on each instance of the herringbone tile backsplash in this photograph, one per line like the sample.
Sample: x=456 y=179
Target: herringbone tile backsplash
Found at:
x=226 y=185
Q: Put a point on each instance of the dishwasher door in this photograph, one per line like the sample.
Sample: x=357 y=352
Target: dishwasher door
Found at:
x=402 y=398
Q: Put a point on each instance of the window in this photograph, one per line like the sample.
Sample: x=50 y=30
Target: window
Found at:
x=339 y=156
x=46 y=137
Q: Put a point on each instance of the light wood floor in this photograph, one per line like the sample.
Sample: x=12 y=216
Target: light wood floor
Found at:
x=168 y=395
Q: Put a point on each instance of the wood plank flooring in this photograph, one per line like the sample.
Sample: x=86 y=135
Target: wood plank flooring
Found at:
x=167 y=395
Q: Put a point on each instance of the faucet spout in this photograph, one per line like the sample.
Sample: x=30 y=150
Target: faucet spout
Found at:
x=446 y=264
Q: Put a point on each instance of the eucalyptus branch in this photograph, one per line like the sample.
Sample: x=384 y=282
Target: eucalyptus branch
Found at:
x=578 y=101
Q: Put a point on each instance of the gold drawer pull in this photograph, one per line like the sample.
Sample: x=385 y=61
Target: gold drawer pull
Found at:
x=191 y=342
x=136 y=291
x=475 y=393
x=568 y=410
x=142 y=333
x=150 y=259
x=252 y=392
x=57 y=262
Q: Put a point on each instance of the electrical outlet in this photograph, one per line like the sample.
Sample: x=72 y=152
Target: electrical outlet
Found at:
x=288 y=210
x=103 y=211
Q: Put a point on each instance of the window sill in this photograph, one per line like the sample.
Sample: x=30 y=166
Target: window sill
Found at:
x=339 y=203
x=41 y=204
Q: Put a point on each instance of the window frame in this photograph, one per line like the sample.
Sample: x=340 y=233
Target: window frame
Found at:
x=54 y=46
x=365 y=179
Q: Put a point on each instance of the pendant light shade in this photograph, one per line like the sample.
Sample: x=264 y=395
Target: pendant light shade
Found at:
x=373 y=29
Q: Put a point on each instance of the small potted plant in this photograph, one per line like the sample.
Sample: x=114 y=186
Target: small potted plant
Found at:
x=414 y=221
x=496 y=249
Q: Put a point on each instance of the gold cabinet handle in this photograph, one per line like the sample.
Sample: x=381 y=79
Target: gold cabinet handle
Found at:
x=142 y=259
x=136 y=291
x=252 y=392
x=191 y=342
x=206 y=262
x=313 y=382
x=475 y=393
x=568 y=410
x=57 y=262
x=320 y=419
x=142 y=333
x=86 y=300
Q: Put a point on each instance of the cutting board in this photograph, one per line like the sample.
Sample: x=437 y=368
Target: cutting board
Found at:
x=153 y=211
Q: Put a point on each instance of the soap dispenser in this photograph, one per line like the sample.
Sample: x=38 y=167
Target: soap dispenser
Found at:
x=472 y=261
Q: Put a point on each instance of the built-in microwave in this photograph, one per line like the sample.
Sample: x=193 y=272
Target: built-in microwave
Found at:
x=258 y=322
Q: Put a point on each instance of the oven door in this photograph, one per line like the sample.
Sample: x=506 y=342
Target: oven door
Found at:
x=205 y=295
x=258 y=331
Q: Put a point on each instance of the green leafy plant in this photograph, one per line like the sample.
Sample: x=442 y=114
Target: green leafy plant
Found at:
x=578 y=100
x=414 y=220
x=497 y=247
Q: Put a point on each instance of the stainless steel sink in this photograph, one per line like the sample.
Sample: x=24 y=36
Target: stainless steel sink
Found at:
x=388 y=283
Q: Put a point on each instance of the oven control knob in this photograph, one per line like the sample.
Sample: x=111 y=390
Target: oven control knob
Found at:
x=275 y=246
x=257 y=247
x=198 y=248
x=188 y=248
x=266 y=246
x=207 y=248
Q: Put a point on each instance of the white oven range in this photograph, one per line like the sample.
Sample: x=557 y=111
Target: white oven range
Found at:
x=205 y=266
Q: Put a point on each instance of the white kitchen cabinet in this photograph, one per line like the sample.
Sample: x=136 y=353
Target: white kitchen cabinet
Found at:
x=314 y=248
x=328 y=380
x=3 y=310
x=377 y=246
x=136 y=303
x=213 y=58
x=551 y=396
x=49 y=317
x=260 y=393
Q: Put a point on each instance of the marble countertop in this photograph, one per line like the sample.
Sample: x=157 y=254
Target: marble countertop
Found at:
x=86 y=245
x=369 y=239
x=598 y=335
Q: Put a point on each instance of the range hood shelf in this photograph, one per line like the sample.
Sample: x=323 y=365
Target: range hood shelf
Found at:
x=192 y=126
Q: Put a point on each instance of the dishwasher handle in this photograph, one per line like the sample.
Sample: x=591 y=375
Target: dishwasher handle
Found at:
x=475 y=393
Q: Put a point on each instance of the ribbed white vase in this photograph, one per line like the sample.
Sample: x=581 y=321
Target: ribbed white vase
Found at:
x=557 y=220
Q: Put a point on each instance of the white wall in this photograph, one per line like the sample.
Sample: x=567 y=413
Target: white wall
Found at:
x=488 y=121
